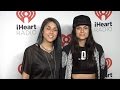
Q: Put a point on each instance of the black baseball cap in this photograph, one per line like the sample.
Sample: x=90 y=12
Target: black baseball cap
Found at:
x=81 y=20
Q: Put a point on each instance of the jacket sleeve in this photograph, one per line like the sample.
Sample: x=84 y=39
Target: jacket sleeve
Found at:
x=64 y=61
x=65 y=52
x=103 y=66
x=102 y=62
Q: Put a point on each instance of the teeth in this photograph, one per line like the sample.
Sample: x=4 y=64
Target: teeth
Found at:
x=51 y=36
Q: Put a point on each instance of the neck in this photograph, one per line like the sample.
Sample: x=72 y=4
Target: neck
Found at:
x=47 y=46
x=82 y=43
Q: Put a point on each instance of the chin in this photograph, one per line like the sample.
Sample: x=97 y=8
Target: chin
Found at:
x=50 y=41
x=82 y=38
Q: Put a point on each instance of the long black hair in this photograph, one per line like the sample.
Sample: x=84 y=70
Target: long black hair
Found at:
x=57 y=42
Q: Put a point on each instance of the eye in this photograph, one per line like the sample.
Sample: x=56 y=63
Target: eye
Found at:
x=48 y=28
x=77 y=28
x=55 y=29
x=86 y=27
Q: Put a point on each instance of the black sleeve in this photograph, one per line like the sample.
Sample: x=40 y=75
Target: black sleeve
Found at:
x=61 y=75
x=27 y=62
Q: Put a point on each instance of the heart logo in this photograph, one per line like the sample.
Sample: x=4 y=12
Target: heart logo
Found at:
x=108 y=62
x=25 y=14
x=19 y=68
x=100 y=14
x=66 y=39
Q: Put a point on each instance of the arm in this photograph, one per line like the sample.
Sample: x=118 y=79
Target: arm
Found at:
x=25 y=75
x=64 y=61
x=65 y=53
x=103 y=65
x=102 y=62
x=26 y=64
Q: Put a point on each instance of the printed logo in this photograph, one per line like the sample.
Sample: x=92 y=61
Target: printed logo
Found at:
x=19 y=68
x=65 y=39
x=105 y=26
x=25 y=28
x=101 y=14
x=25 y=14
x=108 y=62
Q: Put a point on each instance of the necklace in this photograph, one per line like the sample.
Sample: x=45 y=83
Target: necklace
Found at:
x=52 y=73
x=47 y=49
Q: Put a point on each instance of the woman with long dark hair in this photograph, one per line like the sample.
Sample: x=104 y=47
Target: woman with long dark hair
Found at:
x=83 y=58
x=42 y=60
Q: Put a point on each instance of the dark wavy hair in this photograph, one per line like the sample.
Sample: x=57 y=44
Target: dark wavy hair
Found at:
x=89 y=45
x=57 y=42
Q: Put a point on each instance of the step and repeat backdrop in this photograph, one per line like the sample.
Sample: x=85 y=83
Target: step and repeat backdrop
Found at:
x=20 y=29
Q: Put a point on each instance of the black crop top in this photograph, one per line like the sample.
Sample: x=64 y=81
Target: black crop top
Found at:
x=82 y=64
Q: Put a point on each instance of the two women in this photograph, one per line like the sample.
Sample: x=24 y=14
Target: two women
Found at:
x=82 y=58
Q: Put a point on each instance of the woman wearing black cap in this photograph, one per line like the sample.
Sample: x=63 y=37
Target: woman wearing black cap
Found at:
x=83 y=58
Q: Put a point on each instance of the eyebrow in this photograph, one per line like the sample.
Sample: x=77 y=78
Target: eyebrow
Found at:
x=50 y=27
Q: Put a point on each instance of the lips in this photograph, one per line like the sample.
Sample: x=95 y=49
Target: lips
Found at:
x=50 y=36
x=82 y=34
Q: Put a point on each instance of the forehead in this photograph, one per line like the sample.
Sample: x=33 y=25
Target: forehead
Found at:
x=82 y=26
x=51 y=24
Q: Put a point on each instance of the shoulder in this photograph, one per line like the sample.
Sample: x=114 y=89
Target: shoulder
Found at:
x=66 y=49
x=99 y=47
x=30 y=48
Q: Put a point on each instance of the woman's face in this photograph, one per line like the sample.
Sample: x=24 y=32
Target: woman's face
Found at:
x=82 y=32
x=50 y=32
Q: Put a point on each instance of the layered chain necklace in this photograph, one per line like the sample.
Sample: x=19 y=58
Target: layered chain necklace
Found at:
x=53 y=58
x=49 y=51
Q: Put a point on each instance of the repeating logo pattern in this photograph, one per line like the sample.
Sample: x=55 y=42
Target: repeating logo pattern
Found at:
x=106 y=14
x=25 y=14
x=108 y=62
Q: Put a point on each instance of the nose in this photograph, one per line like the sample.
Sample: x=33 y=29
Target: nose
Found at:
x=82 y=30
x=51 y=31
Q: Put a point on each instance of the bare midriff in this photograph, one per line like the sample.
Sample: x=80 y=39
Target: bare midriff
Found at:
x=83 y=76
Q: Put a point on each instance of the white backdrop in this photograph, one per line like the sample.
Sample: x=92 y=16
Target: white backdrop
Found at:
x=19 y=30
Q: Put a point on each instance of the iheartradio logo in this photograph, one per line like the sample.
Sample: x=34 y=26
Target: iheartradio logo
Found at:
x=108 y=62
x=25 y=14
x=103 y=14
x=66 y=39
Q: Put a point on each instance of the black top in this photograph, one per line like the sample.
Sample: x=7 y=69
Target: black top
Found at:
x=103 y=71
x=82 y=64
x=40 y=64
